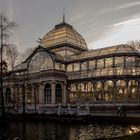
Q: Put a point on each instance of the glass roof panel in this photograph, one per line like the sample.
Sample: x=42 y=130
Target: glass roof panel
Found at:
x=123 y=48
x=69 y=35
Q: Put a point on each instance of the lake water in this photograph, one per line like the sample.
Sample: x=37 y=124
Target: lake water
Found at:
x=64 y=131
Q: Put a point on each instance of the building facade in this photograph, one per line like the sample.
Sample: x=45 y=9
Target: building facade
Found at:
x=62 y=70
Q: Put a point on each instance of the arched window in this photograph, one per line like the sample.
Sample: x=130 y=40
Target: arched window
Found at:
x=121 y=91
x=73 y=87
x=76 y=67
x=108 y=90
x=80 y=87
x=108 y=62
x=119 y=61
x=133 y=91
x=81 y=92
x=39 y=62
x=98 y=88
x=47 y=93
x=8 y=95
x=84 y=66
x=89 y=92
x=73 y=93
x=58 y=92
x=91 y=65
x=100 y=63
x=70 y=68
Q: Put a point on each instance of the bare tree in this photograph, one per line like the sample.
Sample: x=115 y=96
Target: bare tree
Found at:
x=4 y=67
x=5 y=26
x=135 y=44
x=11 y=56
x=26 y=53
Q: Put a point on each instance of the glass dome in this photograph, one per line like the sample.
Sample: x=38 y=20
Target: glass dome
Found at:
x=61 y=34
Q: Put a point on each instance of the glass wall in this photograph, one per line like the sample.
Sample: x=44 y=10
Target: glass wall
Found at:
x=133 y=91
x=39 y=62
x=103 y=91
x=105 y=67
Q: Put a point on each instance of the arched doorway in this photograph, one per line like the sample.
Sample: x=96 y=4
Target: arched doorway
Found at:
x=121 y=91
x=47 y=93
x=73 y=94
x=108 y=91
x=98 y=91
x=58 y=93
x=89 y=92
x=8 y=95
x=81 y=92
x=133 y=91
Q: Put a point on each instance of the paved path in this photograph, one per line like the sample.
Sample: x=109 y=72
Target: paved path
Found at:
x=135 y=115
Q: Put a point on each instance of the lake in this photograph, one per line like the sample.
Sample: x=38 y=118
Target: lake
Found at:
x=65 y=131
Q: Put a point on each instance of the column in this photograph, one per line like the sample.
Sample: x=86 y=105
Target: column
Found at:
x=127 y=91
x=12 y=93
x=53 y=83
x=80 y=66
x=103 y=96
x=65 y=94
x=113 y=66
x=15 y=96
x=124 y=72
x=41 y=93
x=24 y=98
x=114 y=94
x=4 y=93
x=37 y=93
x=84 y=94
x=25 y=93
x=95 y=64
x=138 y=91
x=104 y=63
x=94 y=91
x=20 y=95
x=34 y=97
x=32 y=94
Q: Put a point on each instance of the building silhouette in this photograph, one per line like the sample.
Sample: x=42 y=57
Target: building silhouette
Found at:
x=63 y=70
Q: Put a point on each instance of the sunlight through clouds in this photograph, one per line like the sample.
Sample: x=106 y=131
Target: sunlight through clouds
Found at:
x=128 y=30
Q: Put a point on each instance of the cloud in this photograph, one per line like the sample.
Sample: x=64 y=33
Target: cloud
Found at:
x=128 y=5
x=129 y=22
x=11 y=11
x=95 y=20
x=127 y=31
x=106 y=23
x=120 y=6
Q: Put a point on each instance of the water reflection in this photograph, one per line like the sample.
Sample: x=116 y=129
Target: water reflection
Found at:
x=55 y=131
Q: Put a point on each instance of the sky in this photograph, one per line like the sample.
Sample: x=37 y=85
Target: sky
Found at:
x=102 y=23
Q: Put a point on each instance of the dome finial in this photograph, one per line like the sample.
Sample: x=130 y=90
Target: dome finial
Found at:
x=63 y=14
